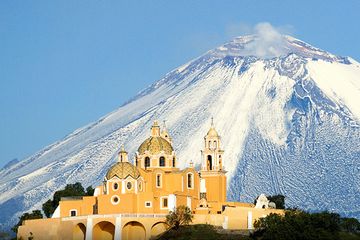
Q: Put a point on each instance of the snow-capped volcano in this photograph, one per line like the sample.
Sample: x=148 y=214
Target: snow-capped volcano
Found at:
x=288 y=114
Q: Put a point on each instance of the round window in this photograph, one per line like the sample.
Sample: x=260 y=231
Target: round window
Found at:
x=115 y=200
x=129 y=185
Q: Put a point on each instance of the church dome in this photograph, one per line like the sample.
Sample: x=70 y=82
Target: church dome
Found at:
x=212 y=133
x=155 y=145
x=123 y=170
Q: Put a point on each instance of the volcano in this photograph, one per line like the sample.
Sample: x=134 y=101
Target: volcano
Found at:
x=288 y=114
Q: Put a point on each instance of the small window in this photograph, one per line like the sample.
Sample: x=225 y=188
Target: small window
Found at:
x=158 y=180
x=115 y=200
x=140 y=186
x=209 y=144
x=116 y=186
x=209 y=162
x=190 y=180
x=162 y=162
x=73 y=213
x=174 y=162
x=129 y=185
x=147 y=162
x=165 y=203
x=148 y=204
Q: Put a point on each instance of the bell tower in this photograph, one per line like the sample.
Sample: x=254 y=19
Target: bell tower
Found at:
x=212 y=170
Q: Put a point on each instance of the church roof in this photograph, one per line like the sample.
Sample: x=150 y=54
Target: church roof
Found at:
x=212 y=132
x=123 y=170
x=155 y=145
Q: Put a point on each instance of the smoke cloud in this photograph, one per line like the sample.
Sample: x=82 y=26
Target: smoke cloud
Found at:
x=269 y=41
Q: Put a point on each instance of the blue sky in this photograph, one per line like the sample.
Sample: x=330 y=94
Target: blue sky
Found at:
x=64 y=64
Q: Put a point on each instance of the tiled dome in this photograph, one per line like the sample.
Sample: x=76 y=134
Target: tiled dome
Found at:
x=123 y=170
x=155 y=145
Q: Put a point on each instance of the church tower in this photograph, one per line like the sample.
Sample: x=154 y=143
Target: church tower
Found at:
x=212 y=170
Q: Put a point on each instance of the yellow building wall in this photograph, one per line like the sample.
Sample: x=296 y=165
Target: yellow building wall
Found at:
x=83 y=206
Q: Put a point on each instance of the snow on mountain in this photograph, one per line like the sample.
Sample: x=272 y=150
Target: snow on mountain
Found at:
x=288 y=114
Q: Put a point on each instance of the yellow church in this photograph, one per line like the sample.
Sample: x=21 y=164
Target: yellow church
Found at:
x=134 y=199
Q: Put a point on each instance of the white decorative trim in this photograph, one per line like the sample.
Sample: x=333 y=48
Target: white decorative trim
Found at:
x=112 y=200
x=225 y=224
x=97 y=191
x=146 y=202
x=249 y=218
x=188 y=202
x=89 y=228
x=117 y=235
x=172 y=202
x=122 y=186
x=56 y=213
x=202 y=185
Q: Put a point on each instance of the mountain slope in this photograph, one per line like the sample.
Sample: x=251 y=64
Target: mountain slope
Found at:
x=289 y=121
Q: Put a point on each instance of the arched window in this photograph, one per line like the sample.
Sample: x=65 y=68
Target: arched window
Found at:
x=209 y=144
x=215 y=144
x=174 y=162
x=162 y=162
x=209 y=162
x=147 y=162
x=190 y=180
x=116 y=186
x=121 y=159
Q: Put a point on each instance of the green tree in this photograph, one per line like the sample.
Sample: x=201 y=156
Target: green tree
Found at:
x=70 y=190
x=297 y=224
x=180 y=216
x=90 y=191
x=279 y=200
x=351 y=225
x=36 y=214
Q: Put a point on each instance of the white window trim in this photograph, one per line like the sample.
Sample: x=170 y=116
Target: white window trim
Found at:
x=76 y=212
x=113 y=186
x=161 y=180
x=150 y=204
x=192 y=180
x=161 y=202
x=131 y=185
x=112 y=200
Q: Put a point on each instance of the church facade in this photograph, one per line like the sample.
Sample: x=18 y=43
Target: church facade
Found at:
x=134 y=199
